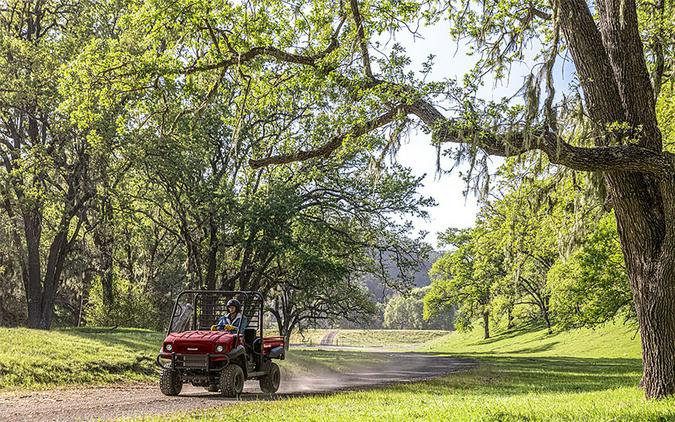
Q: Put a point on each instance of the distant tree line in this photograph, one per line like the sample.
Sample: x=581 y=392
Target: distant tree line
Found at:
x=406 y=312
x=544 y=249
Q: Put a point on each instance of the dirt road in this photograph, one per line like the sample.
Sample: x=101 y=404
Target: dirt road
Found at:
x=144 y=400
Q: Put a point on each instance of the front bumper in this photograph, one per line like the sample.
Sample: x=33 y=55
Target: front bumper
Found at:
x=188 y=361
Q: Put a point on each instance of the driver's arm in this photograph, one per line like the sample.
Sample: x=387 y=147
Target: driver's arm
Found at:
x=220 y=325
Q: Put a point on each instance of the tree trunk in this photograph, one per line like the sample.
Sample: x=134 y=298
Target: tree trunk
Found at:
x=288 y=330
x=33 y=285
x=107 y=280
x=547 y=319
x=41 y=288
x=55 y=260
x=104 y=241
x=655 y=306
x=613 y=74
x=287 y=339
x=212 y=255
x=646 y=241
x=486 y=325
x=280 y=325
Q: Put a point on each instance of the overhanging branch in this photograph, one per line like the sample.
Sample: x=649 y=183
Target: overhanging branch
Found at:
x=333 y=144
x=632 y=158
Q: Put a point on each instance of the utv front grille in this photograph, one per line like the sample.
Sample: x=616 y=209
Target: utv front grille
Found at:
x=192 y=361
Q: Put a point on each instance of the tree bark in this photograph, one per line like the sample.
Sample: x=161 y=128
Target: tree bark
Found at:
x=105 y=242
x=57 y=254
x=486 y=325
x=42 y=288
x=509 y=318
x=654 y=297
x=33 y=285
x=287 y=336
x=650 y=264
x=212 y=255
x=644 y=206
x=547 y=319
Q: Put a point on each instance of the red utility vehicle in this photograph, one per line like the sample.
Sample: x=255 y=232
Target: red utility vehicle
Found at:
x=218 y=360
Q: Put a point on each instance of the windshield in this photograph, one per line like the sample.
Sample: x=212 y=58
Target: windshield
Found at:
x=182 y=318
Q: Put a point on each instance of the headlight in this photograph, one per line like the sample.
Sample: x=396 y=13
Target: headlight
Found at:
x=168 y=347
x=219 y=348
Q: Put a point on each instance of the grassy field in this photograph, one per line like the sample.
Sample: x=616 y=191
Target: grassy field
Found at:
x=524 y=375
x=370 y=338
x=32 y=359
x=527 y=375
x=610 y=341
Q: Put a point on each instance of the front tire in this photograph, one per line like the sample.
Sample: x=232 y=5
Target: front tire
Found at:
x=231 y=380
x=269 y=384
x=170 y=382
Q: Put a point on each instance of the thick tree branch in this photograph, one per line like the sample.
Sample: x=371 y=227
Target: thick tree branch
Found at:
x=621 y=38
x=336 y=142
x=631 y=158
x=659 y=50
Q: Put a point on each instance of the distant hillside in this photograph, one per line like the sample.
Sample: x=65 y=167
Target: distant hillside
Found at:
x=420 y=278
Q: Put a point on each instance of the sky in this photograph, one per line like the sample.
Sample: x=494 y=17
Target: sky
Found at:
x=453 y=209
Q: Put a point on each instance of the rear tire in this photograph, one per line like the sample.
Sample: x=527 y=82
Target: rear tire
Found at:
x=170 y=382
x=231 y=380
x=269 y=384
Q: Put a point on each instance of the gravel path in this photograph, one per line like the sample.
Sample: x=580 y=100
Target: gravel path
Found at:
x=146 y=399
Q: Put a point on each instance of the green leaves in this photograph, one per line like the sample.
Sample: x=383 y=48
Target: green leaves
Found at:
x=591 y=287
x=464 y=277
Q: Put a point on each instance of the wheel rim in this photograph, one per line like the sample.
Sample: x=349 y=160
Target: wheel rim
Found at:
x=239 y=381
x=276 y=379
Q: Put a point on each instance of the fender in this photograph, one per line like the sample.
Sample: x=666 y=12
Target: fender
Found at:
x=235 y=353
x=277 y=353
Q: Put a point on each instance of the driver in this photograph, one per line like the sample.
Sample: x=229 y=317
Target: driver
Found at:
x=230 y=321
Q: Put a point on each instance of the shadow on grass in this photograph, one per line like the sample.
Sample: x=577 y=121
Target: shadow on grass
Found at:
x=509 y=375
x=513 y=332
x=536 y=349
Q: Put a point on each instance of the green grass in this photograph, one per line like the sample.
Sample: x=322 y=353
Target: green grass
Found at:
x=525 y=375
x=369 y=338
x=34 y=359
x=612 y=340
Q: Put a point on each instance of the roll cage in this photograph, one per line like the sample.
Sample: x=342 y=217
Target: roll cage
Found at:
x=200 y=309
